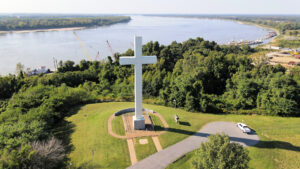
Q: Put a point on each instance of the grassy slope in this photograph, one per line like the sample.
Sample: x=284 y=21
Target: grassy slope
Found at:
x=118 y=126
x=279 y=148
x=183 y=162
x=144 y=150
x=91 y=133
x=158 y=125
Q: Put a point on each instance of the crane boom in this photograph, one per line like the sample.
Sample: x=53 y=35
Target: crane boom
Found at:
x=97 y=56
x=110 y=49
x=82 y=46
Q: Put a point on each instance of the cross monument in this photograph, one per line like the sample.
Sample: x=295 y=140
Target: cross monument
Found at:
x=138 y=60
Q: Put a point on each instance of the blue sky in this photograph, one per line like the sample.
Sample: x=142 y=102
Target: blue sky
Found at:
x=152 y=6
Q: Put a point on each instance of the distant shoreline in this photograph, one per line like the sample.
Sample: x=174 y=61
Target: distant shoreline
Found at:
x=43 y=30
x=258 y=25
x=236 y=21
x=273 y=39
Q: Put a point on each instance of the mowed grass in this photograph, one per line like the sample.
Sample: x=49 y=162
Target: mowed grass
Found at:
x=144 y=150
x=183 y=162
x=90 y=133
x=279 y=146
x=158 y=125
x=118 y=126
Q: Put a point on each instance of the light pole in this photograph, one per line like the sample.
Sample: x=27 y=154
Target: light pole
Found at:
x=93 y=157
x=174 y=102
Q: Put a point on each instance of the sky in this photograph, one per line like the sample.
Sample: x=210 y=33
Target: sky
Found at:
x=152 y=6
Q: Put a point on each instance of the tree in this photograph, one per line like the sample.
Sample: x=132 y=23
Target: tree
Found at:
x=219 y=153
x=19 y=68
x=48 y=154
x=295 y=73
x=281 y=95
x=242 y=91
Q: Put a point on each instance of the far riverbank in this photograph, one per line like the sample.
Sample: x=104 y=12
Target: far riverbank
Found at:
x=227 y=19
x=43 y=30
x=263 y=27
x=56 y=23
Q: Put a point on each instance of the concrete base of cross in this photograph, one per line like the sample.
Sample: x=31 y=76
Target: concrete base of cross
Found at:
x=139 y=123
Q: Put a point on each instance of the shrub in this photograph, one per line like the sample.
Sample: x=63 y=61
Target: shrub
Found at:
x=219 y=153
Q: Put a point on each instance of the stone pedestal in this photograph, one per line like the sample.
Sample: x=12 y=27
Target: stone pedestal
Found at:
x=139 y=123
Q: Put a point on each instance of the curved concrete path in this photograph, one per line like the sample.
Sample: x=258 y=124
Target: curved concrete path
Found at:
x=162 y=159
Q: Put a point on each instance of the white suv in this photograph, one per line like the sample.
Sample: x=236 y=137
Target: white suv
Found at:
x=244 y=127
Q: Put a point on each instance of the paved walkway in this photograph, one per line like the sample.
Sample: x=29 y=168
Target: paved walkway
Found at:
x=131 y=134
x=162 y=159
x=132 y=154
x=157 y=143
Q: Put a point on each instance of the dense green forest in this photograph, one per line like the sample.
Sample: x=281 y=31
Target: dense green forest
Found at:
x=10 y=23
x=196 y=75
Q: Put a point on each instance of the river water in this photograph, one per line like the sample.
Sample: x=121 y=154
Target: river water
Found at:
x=34 y=49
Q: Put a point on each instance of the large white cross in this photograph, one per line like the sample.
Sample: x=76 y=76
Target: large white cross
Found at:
x=138 y=60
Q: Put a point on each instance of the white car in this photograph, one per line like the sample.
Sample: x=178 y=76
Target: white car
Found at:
x=244 y=128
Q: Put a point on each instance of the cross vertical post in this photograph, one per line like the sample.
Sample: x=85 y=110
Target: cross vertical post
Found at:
x=138 y=60
x=138 y=80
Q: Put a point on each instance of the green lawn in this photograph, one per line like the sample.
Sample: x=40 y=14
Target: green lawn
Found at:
x=158 y=125
x=90 y=133
x=183 y=162
x=118 y=126
x=279 y=148
x=144 y=150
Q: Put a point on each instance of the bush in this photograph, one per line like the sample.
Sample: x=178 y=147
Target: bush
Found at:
x=219 y=153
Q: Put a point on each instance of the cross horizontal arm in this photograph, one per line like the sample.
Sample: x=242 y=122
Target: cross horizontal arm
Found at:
x=149 y=59
x=127 y=60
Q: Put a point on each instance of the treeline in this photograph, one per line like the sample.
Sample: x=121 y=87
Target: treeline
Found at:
x=47 y=22
x=196 y=75
x=30 y=116
x=280 y=22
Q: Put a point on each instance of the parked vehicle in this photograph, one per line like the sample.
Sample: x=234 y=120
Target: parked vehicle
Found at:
x=244 y=128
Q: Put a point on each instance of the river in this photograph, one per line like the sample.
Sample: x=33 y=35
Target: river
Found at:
x=34 y=49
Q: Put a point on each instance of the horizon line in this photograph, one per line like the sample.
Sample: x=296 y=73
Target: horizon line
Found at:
x=183 y=14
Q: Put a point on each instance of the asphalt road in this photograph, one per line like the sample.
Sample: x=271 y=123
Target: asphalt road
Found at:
x=162 y=159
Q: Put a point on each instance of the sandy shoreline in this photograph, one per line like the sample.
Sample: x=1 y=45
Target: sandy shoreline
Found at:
x=261 y=26
x=273 y=39
x=43 y=30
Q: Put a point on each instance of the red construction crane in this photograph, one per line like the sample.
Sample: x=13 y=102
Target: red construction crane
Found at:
x=110 y=49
